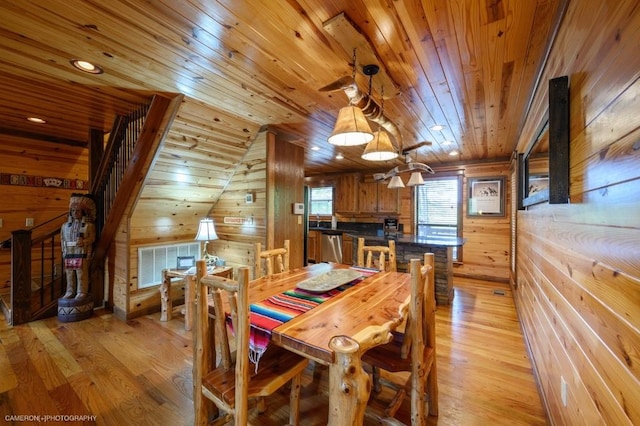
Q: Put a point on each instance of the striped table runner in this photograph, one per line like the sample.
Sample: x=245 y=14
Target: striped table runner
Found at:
x=275 y=310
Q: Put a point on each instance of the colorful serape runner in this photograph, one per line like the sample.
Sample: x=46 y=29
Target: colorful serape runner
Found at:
x=275 y=310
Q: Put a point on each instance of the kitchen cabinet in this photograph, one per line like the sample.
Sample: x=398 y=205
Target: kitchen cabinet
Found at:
x=375 y=197
x=347 y=249
x=314 y=250
x=346 y=194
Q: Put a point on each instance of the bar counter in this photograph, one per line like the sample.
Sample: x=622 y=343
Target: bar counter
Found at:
x=409 y=246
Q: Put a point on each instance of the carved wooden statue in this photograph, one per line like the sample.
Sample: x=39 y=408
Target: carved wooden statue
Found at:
x=77 y=236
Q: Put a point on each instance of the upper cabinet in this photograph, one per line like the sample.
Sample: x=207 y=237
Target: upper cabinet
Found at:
x=388 y=199
x=357 y=195
x=375 y=197
x=346 y=194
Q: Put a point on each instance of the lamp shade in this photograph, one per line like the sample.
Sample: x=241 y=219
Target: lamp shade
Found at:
x=415 y=179
x=380 y=148
x=206 y=231
x=351 y=128
x=395 y=182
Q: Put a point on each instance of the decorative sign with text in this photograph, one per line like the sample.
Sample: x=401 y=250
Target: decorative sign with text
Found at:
x=235 y=220
x=53 y=182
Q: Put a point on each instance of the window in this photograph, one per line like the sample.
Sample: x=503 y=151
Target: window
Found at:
x=152 y=260
x=439 y=209
x=321 y=201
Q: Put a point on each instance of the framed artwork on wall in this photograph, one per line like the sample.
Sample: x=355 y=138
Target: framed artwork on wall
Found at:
x=486 y=196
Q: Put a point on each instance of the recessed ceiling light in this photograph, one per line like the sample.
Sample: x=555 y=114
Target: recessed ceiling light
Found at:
x=36 y=120
x=315 y=148
x=339 y=156
x=453 y=153
x=437 y=127
x=447 y=143
x=86 y=66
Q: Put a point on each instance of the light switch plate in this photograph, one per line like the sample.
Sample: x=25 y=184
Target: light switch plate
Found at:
x=29 y=222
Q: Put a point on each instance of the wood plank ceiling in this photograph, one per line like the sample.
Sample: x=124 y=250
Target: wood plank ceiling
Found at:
x=469 y=65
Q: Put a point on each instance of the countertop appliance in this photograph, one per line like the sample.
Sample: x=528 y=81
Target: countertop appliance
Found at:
x=331 y=247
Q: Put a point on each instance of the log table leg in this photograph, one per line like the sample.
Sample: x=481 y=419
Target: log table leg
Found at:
x=349 y=384
x=189 y=300
x=165 y=297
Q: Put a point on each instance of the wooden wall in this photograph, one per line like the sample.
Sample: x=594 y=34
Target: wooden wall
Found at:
x=35 y=159
x=577 y=282
x=236 y=240
x=285 y=186
x=486 y=252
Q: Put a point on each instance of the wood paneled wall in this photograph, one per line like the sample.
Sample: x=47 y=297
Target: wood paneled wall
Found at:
x=577 y=283
x=236 y=240
x=486 y=251
x=40 y=159
x=285 y=186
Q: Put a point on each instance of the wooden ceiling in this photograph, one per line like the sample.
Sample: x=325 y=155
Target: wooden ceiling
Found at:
x=469 y=65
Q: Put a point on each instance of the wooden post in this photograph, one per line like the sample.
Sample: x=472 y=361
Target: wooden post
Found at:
x=20 y=277
x=201 y=350
x=165 y=297
x=349 y=384
x=189 y=300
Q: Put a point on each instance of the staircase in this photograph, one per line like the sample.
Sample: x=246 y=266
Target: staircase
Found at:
x=37 y=280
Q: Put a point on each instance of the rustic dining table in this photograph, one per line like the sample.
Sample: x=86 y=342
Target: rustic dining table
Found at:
x=338 y=331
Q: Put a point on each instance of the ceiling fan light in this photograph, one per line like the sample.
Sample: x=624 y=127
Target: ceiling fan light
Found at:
x=351 y=128
x=380 y=148
x=395 y=182
x=415 y=179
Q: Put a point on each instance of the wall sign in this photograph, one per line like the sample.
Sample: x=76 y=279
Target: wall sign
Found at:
x=53 y=182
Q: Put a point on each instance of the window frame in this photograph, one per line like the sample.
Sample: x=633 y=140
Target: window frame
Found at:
x=331 y=201
x=459 y=178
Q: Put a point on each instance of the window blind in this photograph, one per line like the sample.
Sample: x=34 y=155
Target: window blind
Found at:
x=438 y=202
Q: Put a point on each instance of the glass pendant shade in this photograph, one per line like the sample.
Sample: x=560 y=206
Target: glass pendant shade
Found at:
x=380 y=148
x=206 y=231
x=395 y=182
x=351 y=128
x=415 y=179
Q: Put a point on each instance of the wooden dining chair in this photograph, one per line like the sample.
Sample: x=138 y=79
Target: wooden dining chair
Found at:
x=379 y=257
x=231 y=384
x=414 y=350
x=275 y=260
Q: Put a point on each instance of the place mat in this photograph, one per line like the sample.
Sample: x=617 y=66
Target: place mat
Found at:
x=329 y=280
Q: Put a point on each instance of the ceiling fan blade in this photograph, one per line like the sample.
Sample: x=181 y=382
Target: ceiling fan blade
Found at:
x=339 y=84
x=416 y=146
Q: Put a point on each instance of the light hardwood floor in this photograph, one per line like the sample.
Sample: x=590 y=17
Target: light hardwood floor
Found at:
x=139 y=372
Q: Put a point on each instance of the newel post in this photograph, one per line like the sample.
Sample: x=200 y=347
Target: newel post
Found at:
x=20 y=276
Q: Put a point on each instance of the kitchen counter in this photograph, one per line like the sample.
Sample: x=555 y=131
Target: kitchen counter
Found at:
x=410 y=239
x=410 y=246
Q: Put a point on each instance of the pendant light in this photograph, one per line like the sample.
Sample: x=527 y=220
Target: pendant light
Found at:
x=380 y=148
x=395 y=182
x=351 y=128
x=415 y=179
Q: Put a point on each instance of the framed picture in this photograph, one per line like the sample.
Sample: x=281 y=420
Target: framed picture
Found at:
x=486 y=196
x=185 y=262
x=537 y=183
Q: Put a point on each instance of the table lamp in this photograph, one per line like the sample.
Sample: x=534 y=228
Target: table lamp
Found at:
x=206 y=233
